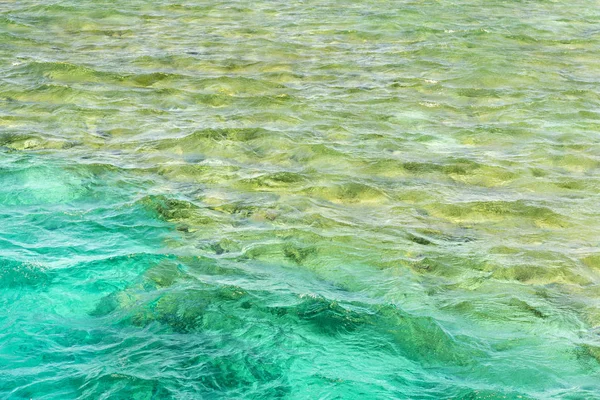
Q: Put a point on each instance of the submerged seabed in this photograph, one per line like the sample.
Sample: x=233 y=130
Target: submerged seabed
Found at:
x=301 y=200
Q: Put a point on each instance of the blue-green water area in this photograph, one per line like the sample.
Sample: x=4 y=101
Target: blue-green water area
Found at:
x=299 y=200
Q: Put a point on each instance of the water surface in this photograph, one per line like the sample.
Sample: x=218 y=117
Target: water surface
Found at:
x=312 y=199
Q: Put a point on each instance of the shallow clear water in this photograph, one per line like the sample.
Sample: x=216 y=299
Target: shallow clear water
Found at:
x=313 y=199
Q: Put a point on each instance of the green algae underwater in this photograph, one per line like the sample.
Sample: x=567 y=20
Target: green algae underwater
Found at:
x=299 y=200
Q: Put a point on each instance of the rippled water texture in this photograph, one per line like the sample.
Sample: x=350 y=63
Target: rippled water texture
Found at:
x=302 y=200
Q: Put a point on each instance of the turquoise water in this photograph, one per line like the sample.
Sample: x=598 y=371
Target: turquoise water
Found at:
x=302 y=200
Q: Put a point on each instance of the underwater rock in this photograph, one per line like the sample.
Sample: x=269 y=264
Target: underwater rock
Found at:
x=298 y=254
x=485 y=211
x=348 y=193
x=422 y=338
x=168 y=208
x=328 y=317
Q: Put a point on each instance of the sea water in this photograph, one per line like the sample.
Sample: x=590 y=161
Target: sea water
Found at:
x=299 y=200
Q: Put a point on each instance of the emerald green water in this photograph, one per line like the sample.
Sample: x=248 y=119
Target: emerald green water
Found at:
x=299 y=200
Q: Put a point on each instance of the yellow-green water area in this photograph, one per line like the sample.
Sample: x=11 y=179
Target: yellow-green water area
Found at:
x=299 y=200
